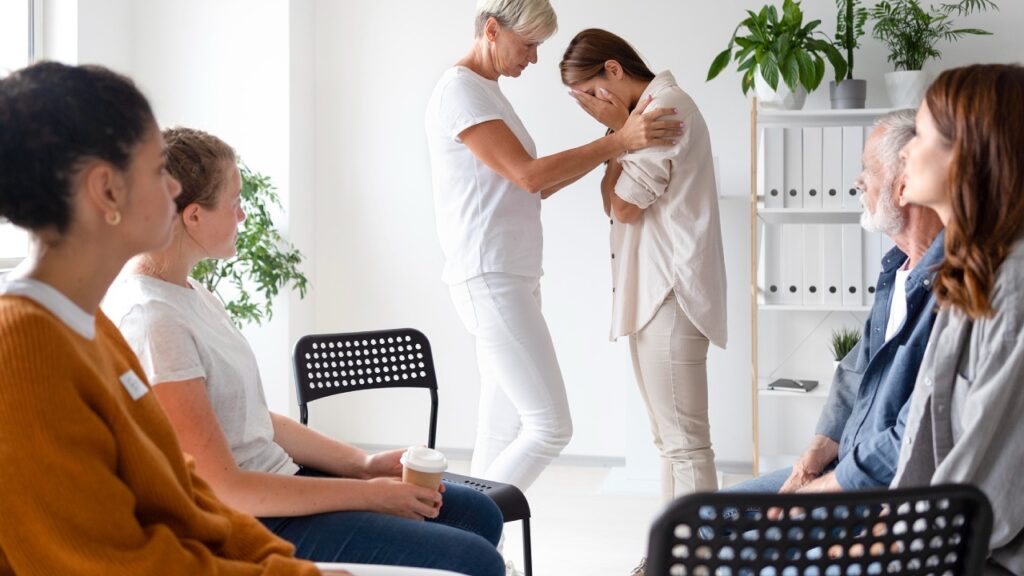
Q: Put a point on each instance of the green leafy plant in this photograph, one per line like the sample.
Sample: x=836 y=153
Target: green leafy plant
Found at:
x=777 y=48
x=911 y=33
x=843 y=340
x=265 y=262
x=849 y=29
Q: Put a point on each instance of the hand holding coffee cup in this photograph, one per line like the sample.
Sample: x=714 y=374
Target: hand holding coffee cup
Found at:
x=423 y=466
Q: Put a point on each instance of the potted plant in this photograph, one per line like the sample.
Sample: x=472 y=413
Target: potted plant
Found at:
x=848 y=92
x=265 y=262
x=843 y=340
x=911 y=34
x=774 y=49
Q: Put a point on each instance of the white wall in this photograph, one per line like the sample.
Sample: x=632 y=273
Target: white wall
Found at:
x=239 y=69
x=327 y=97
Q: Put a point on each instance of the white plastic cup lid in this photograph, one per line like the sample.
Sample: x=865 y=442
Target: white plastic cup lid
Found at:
x=423 y=459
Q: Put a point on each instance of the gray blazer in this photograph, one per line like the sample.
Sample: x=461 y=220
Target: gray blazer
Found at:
x=966 y=417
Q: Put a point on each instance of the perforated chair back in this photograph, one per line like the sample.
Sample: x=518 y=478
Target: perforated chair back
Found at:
x=939 y=530
x=329 y=364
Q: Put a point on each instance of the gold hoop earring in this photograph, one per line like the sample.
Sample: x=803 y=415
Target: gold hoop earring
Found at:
x=113 y=218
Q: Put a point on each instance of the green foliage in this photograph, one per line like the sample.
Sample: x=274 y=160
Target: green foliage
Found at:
x=910 y=32
x=777 y=48
x=265 y=261
x=849 y=29
x=843 y=340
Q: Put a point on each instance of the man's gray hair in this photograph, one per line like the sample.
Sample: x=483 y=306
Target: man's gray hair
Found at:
x=899 y=128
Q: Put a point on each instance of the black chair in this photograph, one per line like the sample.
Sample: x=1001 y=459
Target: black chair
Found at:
x=329 y=364
x=939 y=530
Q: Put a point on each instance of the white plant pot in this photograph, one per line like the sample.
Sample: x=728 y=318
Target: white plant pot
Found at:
x=906 y=88
x=781 y=99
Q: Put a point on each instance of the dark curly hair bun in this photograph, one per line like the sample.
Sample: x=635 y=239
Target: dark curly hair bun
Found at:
x=53 y=117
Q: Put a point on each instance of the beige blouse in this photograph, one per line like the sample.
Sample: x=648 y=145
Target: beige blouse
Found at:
x=675 y=247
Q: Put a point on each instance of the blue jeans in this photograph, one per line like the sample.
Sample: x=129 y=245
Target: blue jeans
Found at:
x=766 y=483
x=461 y=539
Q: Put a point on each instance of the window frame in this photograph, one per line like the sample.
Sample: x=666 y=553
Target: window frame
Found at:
x=35 y=51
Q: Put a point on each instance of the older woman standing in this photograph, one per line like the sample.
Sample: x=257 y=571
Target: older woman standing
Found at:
x=964 y=423
x=488 y=184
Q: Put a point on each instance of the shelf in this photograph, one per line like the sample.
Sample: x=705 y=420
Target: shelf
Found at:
x=815 y=308
x=808 y=215
x=823 y=117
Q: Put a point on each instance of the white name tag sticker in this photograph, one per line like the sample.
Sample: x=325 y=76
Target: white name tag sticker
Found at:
x=134 y=385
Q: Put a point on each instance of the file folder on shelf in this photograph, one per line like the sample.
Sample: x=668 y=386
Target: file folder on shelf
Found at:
x=771 y=241
x=772 y=167
x=812 y=167
x=791 y=264
x=853 y=265
x=832 y=264
x=793 y=156
x=832 y=167
x=853 y=147
x=813 y=265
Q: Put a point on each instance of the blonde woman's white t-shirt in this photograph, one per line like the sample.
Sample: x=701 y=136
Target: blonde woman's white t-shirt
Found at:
x=485 y=222
x=182 y=334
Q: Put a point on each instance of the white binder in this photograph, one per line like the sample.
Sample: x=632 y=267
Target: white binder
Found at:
x=853 y=265
x=813 y=273
x=791 y=258
x=872 y=264
x=832 y=167
x=794 y=170
x=771 y=244
x=853 y=147
x=772 y=168
x=812 y=167
x=832 y=264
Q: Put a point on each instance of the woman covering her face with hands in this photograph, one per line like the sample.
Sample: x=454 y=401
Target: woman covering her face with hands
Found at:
x=668 y=270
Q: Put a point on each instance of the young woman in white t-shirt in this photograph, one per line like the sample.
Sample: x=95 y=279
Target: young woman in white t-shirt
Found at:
x=335 y=502
x=488 y=184
x=668 y=269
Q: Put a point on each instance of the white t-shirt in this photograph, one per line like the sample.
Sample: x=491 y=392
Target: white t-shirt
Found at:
x=484 y=221
x=182 y=334
x=898 y=304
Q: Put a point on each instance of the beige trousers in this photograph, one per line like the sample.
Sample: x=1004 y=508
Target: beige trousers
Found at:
x=670 y=363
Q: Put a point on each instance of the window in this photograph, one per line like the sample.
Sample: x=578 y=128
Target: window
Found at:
x=18 y=42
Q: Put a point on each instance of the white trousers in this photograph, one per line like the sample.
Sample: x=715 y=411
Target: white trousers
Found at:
x=524 y=420
x=670 y=364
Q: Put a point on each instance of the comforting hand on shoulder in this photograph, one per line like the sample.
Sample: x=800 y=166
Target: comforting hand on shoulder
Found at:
x=644 y=130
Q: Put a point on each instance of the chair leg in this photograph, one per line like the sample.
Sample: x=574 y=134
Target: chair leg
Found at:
x=527 y=552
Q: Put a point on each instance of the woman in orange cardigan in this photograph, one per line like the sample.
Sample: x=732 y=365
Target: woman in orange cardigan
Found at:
x=92 y=479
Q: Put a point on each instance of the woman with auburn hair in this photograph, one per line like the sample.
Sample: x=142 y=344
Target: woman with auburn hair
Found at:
x=488 y=184
x=335 y=502
x=668 y=267
x=964 y=422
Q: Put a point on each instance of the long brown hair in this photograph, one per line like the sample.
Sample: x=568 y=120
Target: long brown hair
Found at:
x=979 y=110
x=591 y=48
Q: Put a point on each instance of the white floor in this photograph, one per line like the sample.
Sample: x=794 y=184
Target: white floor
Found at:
x=580 y=527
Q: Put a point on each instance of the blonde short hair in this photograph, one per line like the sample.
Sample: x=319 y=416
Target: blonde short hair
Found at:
x=532 y=19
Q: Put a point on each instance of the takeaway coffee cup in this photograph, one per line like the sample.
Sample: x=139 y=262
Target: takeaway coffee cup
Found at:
x=423 y=466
